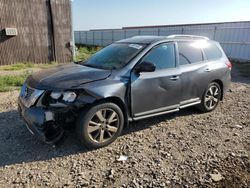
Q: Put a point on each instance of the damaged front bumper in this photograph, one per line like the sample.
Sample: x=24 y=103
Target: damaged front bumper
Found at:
x=47 y=117
x=41 y=122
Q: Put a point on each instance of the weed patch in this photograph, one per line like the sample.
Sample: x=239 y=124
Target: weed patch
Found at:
x=8 y=83
x=84 y=53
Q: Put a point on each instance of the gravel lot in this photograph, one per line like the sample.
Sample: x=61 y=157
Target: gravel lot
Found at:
x=185 y=149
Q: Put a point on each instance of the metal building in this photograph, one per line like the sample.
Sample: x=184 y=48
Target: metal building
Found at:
x=36 y=31
x=233 y=36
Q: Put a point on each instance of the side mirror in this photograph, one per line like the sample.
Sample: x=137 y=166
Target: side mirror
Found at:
x=145 y=67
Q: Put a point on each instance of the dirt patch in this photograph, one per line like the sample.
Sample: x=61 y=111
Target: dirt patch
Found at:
x=175 y=150
x=19 y=72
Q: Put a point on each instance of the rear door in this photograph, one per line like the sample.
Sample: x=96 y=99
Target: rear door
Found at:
x=216 y=61
x=153 y=92
x=195 y=72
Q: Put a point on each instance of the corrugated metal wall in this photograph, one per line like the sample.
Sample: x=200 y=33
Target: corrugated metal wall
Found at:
x=233 y=36
x=36 y=21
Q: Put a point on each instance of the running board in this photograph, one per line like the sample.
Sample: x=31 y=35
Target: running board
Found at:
x=168 y=111
x=190 y=104
x=156 y=114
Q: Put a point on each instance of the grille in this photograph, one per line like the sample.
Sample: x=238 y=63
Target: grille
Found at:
x=28 y=93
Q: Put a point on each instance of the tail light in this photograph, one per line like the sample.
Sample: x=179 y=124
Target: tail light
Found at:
x=229 y=64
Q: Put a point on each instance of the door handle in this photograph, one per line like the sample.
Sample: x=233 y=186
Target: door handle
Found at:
x=174 y=78
x=208 y=70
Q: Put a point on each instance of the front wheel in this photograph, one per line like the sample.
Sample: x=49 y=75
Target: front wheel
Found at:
x=100 y=125
x=211 y=97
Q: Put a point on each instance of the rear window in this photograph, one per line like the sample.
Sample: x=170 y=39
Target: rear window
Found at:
x=188 y=53
x=212 y=51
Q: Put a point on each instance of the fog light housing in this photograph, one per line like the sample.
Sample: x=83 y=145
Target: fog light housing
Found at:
x=49 y=116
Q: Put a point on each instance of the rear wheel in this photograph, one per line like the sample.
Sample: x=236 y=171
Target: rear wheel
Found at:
x=211 y=97
x=100 y=125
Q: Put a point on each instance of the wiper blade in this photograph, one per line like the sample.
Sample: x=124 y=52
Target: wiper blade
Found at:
x=90 y=66
x=78 y=62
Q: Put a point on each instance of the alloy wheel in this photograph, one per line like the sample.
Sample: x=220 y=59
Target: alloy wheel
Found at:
x=212 y=97
x=103 y=125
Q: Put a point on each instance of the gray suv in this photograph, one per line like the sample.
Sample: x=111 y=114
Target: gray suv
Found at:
x=129 y=80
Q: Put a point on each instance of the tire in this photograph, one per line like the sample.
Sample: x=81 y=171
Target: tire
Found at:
x=210 y=98
x=99 y=125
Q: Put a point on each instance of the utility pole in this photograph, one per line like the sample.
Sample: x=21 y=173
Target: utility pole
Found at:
x=72 y=43
x=52 y=31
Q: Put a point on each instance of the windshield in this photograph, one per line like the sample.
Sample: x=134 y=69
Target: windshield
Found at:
x=114 y=56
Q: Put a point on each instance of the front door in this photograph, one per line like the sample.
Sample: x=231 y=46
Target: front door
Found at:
x=158 y=91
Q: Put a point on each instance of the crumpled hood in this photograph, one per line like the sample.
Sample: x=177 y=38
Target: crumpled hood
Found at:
x=66 y=77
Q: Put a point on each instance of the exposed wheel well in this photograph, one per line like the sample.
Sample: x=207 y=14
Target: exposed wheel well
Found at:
x=221 y=87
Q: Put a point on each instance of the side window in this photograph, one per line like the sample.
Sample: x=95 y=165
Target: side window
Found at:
x=212 y=51
x=163 y=56
x=188 y=53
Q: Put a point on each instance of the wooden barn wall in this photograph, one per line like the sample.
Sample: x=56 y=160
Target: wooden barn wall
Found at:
x=36 y=21
x=62 y=29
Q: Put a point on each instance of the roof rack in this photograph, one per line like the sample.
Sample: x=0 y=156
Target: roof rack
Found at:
x=188 y=36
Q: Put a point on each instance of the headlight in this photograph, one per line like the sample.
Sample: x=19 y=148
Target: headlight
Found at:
x=56 y=95
x=67 y=96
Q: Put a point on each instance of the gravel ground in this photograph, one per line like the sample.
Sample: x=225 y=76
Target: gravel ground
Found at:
x=185 y=149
